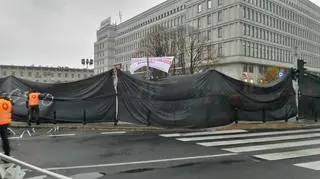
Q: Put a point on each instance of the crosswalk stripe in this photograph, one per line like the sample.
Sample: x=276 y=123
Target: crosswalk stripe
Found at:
x=289 y=155
x=203 y=133
x=253 y=148
x=246 y=135
x=257 y=140
x=310 y=165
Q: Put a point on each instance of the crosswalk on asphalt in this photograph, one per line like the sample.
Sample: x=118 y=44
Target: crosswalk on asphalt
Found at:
x=270 y=146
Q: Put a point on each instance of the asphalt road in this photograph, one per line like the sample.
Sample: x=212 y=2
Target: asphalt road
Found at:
x=149 y=155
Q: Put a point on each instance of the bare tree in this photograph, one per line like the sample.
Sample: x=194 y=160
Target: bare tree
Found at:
x=200 y=57
x=186 y=44
x=158 y=43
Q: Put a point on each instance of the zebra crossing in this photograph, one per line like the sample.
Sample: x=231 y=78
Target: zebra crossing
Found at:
x=269 y=146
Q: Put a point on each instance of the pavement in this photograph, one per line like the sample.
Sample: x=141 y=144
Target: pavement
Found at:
x=291 y=124
x=287 y=153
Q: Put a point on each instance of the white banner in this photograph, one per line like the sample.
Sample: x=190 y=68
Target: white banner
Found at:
x=160 y=63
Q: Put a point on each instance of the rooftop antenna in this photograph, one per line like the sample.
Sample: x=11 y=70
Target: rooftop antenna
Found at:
x=120 y=16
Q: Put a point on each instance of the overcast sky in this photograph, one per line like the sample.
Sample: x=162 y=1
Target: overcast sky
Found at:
x=58 y=32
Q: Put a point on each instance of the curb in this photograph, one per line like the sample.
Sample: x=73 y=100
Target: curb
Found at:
x=140 y=128
x=108 y=127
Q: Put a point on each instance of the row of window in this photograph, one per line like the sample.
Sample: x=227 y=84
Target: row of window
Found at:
x=200 y=6
x=257 y=50
x=287 y=13
x=99 y=54
x=279 y=24
x=209 y=19
x=177 y=21
x=250 y=68
x=99 y=62
x=99 y=46
x=37 y=74
x=156 y=18
x=263 y=34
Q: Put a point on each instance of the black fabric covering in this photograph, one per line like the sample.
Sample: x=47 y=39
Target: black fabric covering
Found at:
x=95 y=96
x=197 y=101
x=310 y=96
x=203 y=100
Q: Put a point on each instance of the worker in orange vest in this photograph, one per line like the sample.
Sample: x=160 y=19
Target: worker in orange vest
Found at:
x=6 y=116
x=33 y=103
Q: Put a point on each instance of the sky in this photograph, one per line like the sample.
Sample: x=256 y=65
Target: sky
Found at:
x=58 y=32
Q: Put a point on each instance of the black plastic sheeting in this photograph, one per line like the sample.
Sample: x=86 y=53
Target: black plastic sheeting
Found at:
x=203 y=100
x=93 y=96
x=309 y=103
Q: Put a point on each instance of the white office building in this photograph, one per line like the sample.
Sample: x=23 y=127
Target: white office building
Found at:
x=250 y=35
x=45 y=74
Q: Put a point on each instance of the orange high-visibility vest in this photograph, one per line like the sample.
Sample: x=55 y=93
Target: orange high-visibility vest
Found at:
x=5 y=112
x=34 y=99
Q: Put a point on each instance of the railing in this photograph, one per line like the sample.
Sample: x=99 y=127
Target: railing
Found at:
x=32 y=167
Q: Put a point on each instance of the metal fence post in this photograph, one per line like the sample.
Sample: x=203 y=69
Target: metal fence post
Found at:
x=84 y=122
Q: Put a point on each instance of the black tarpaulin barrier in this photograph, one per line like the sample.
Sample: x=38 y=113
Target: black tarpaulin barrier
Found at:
x=310 y=97
x=203 y=100
x=95 y=95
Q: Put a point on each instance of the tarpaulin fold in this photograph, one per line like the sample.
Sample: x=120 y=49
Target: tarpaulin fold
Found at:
x=206 y=99
x=202 y=100
x=95 y=96
x=309 y=103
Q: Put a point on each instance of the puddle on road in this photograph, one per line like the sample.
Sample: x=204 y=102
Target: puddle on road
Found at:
x=184 y=165
x=231 y=161
x=94 y=175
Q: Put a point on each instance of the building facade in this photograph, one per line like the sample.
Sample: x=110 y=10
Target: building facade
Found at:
x=250 y=35
x=45 y=74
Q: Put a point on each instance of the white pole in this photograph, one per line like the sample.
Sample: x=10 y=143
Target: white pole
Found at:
x=115 y=84
x=47 y=172
x=148 y=72
x=295 y=82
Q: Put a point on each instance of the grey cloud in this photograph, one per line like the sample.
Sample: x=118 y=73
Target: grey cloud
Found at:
x=57 y=32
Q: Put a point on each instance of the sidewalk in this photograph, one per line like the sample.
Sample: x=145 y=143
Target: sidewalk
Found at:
x=292 y=124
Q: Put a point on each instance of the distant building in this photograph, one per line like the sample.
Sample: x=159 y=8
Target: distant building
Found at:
x=250 y=34
x=45 y=74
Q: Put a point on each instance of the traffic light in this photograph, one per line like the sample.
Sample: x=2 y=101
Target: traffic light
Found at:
x=301 y=70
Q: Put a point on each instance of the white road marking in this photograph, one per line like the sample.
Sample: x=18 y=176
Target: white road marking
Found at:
x=289 y=155
x=116 y=132
x=203 y=133
x=62 y=135
x=143 y=162
x=310 y=165
x=257 y=140
x=14 y=138
x=247 y=135
x=272 y=146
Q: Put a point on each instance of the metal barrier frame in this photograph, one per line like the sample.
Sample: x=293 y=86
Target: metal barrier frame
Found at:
x=46 y=172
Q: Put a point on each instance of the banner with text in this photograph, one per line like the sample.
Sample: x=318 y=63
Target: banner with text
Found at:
x=160 y=63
